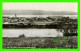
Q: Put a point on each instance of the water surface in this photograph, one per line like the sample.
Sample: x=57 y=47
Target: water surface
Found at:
x=32 y=32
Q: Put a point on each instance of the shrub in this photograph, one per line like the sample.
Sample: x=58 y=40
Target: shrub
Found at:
x=22 y=35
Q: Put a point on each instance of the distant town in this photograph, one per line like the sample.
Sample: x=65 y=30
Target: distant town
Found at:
x=38 y=20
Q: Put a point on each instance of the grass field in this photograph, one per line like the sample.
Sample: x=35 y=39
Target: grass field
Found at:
x=39 y=42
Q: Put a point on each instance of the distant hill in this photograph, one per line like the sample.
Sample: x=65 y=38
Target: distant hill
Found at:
x=37 y=12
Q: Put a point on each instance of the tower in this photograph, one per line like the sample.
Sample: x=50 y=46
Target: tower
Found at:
x=15 y=15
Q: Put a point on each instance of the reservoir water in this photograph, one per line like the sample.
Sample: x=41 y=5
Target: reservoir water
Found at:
x=32 y=32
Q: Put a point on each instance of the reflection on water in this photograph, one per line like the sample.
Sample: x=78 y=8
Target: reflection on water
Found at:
x=32 y=32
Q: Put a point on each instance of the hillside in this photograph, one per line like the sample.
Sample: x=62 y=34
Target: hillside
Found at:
x=37 y=12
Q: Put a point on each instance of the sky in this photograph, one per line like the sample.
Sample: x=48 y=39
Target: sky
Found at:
x=41 y=6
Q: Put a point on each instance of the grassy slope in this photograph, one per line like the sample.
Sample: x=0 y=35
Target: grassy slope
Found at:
x=43 y=42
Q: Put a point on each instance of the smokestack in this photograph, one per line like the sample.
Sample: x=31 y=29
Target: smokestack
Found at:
x=15 y=15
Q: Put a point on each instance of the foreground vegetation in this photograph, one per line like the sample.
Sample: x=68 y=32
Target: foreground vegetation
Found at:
x=39 y=42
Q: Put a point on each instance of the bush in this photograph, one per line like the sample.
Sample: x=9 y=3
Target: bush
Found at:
x=22 y=35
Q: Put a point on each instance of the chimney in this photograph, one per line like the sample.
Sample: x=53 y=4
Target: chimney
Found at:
x=15 y=15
